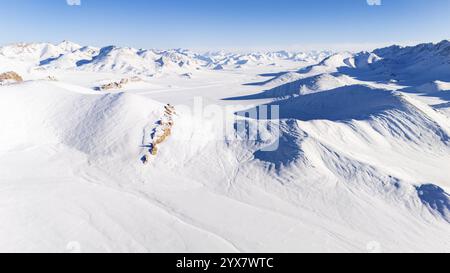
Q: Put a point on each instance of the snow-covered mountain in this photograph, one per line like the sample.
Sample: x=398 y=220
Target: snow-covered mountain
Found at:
x=35 y=53
x=68 y=55
x=221 y=60
x=357 y=158
x=349 y=106
x=423 y=68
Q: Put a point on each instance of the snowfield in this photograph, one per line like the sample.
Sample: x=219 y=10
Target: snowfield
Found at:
x=357 y=159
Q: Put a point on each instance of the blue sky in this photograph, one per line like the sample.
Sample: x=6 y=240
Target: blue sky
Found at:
x=226 y=24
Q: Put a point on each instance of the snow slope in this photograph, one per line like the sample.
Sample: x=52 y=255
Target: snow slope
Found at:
x=360 y=160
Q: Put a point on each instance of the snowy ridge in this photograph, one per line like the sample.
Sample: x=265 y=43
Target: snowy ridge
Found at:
x=362 y=157
x=68 y=55
x=356 y=91
x=79 y=118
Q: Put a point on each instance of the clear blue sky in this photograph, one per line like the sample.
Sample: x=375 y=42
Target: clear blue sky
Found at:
x=203 y=24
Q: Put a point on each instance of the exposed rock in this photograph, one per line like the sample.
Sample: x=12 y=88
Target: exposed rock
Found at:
x=113 y=85
x=166 y=133
x=162 y=132
x=10 y=77
x=187 y=75
x=119 y=84
x=154 y=150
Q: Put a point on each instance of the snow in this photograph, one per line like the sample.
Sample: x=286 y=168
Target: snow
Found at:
x=430 y=87
x=363 y=151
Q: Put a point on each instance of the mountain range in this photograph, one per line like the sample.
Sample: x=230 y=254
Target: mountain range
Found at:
x=356 y=158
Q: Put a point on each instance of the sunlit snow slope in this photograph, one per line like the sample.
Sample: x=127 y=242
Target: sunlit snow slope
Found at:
x=362 y=162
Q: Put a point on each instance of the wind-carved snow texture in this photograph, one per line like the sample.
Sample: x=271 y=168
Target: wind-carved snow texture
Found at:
x=357 y=156
x=348 y=88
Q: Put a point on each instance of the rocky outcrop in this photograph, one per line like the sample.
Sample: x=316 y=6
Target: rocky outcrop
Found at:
x=110 y=86
x=119 y=84
x=161 y=133
x=10 y=77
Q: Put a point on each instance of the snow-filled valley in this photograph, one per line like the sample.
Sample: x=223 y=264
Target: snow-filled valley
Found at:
x=132 y=150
